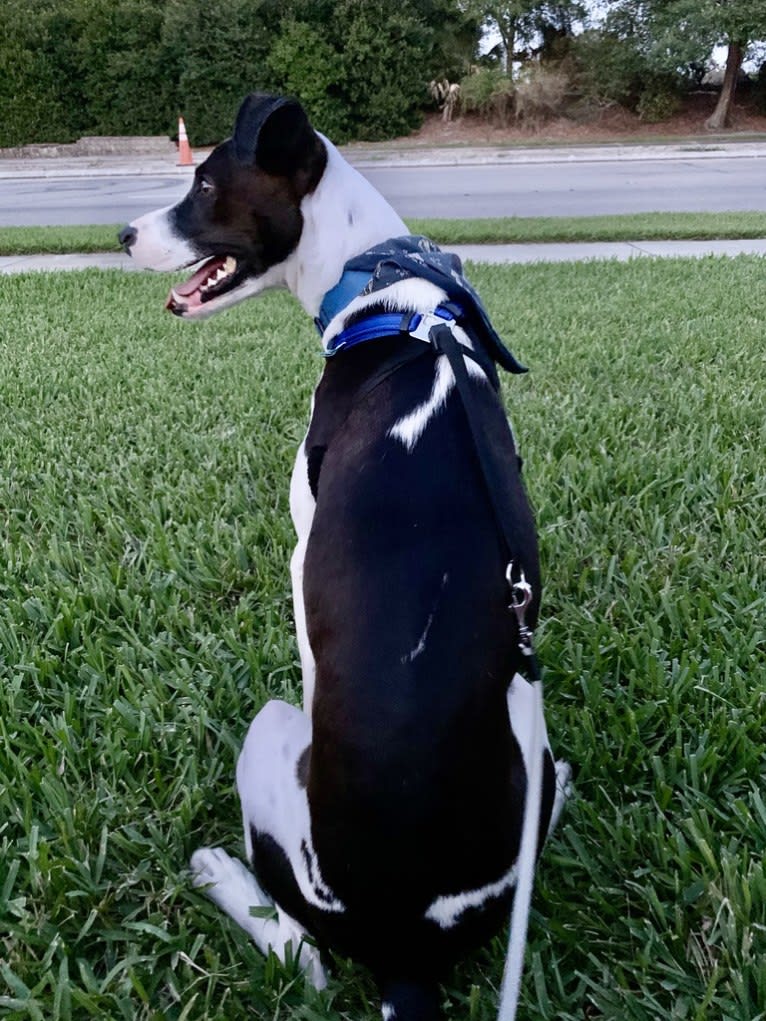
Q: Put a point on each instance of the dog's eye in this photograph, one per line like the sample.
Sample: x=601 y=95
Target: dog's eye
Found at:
x=206 y=187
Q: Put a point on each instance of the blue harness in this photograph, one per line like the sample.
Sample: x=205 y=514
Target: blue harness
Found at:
x=402 y=259
x=391 y=324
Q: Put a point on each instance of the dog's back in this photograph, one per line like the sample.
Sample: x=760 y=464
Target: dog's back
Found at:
x=415 y=780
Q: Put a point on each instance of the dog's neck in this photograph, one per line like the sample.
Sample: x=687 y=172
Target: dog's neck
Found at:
x=345 y=208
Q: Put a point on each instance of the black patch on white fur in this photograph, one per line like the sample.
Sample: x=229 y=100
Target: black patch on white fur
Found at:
x=303 y=766
x=314 y=466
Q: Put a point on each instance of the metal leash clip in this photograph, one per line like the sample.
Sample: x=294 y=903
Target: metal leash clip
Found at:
x=521 y=597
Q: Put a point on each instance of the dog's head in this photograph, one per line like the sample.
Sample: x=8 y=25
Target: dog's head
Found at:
x=242 y=214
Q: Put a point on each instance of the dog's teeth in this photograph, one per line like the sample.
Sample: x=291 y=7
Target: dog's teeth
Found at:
x=220 y=274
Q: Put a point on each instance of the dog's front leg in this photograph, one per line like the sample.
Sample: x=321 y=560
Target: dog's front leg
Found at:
x=235 y=890
x=277 y=836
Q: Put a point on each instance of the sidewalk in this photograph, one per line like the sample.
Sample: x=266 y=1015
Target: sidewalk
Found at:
x=622 y=251
x=158 y=157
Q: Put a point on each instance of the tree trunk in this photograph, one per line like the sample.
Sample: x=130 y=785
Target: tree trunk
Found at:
x=720 y=116
x=505 y=21
x=507 y=38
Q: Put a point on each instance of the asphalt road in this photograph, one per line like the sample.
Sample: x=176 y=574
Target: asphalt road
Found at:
x=73 y=200
x=533 y=189
x=576 y=189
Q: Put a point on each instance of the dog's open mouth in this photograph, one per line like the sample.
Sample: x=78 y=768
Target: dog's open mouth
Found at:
x=214 y=278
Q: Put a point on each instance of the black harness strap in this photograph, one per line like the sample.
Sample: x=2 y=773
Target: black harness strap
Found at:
x=444 y=342
x=412 y=352
x=440 y=339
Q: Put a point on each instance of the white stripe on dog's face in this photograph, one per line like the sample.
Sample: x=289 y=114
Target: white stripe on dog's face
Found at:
x=157 y=246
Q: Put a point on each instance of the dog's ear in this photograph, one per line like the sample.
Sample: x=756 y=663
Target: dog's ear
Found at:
x=253 y=114
x=274 y=133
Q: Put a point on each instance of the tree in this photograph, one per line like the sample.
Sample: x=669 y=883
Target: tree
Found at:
x=676 y=33
x=720 y=117
x=523 y=23
x=737 y=23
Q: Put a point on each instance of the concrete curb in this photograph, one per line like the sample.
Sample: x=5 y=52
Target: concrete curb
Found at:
x=139 y=164
x=470 y=156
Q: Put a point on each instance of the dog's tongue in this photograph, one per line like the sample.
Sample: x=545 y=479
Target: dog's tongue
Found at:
x=194 y=282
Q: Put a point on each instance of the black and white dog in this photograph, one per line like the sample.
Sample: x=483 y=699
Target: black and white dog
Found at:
x=384 y=819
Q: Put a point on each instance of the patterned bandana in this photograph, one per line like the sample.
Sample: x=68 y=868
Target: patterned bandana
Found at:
x=412 y=256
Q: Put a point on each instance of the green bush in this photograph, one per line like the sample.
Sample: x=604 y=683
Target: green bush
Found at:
x=304 y=64
x=359 y=67
x=132 y=66
x=386 y=63
x=658 y=102
x=487 y=92
x=40 y=95
x=211 y=63
x=607 y=69
x=541 y=92
x=119 y=63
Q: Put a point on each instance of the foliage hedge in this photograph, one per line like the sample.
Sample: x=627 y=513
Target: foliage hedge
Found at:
x=112 y=67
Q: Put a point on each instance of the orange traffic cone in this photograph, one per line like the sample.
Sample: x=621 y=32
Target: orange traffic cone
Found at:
x=184 y=149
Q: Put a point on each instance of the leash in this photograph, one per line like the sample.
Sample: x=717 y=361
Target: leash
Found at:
x=444 y=341
x=527 y=857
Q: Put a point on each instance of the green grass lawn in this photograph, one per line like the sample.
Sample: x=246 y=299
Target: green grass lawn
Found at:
x=145 y=617
x=632 y=227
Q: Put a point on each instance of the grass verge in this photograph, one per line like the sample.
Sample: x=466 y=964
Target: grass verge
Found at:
x=144 y=618
x=503 y=230
x=58 y=240
x=629 y=227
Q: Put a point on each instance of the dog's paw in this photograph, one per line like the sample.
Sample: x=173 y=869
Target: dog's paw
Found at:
x=229 y=883
x=210 y=866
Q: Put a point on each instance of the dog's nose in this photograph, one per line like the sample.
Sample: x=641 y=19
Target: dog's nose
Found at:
x=127 y=237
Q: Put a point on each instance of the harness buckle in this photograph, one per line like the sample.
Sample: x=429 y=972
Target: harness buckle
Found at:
x=425 y=322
